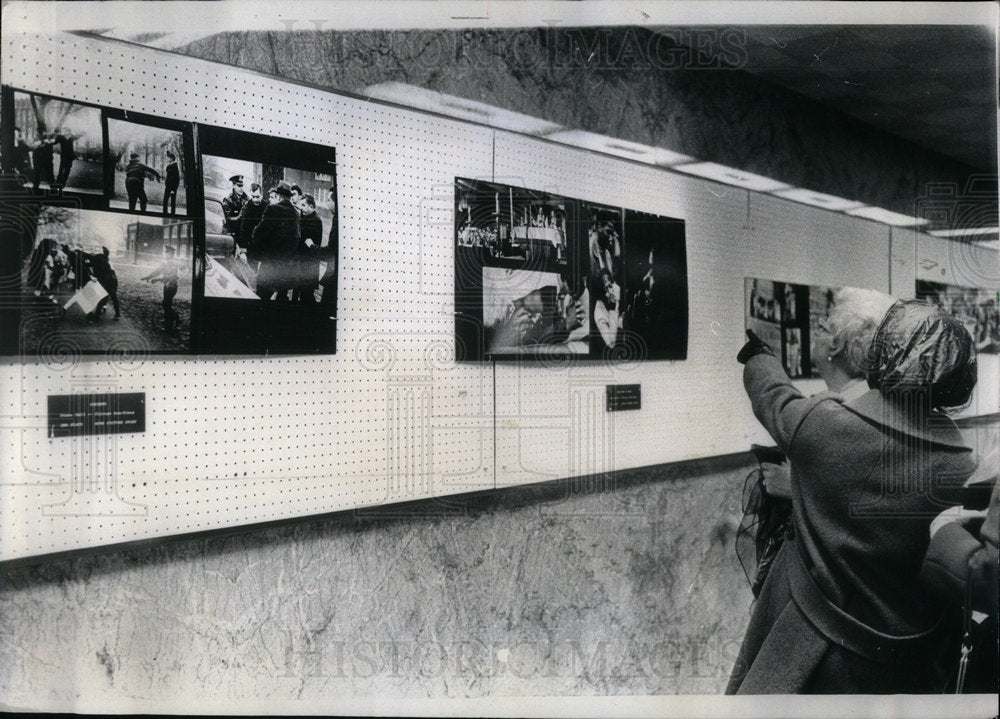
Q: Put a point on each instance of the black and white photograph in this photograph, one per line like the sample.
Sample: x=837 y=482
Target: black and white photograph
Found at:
x=511 y=223
x=94 y=280
x=500 y=358
x=148 y=168
x=783 y=315
x=527 y=312
x=271 y=244
x=58 y=145
x=977 y=308
x=654 y=306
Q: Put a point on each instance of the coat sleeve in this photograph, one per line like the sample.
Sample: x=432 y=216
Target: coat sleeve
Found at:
x=776 y=402
x=946 y=564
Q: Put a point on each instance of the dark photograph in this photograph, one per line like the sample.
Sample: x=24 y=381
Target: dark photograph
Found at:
x=977 y=308
x=58 y=145
x=653 y=309
x=147 y=167
x=95 y=280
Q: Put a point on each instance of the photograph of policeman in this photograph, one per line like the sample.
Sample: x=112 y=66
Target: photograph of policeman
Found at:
x=147 y=167
x=511 y=222
x=978 y=309
x=95 y=281
x=528 y=312
x=295 y=250
x=781 y=314
x=653 y=301
x=58 y=145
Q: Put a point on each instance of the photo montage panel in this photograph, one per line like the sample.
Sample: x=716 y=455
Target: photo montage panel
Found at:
x=85 y=274
x=779 y=312
x=520 y=284
x=271 y=244
x=976 y=308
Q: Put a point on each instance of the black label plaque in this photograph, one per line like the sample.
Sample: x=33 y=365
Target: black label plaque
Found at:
x=72 y=415
x=624 y=396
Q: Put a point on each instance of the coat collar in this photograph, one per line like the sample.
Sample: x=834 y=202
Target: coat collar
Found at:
x=933 y=427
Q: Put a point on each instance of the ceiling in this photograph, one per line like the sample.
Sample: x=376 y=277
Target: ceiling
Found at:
x=933 y=85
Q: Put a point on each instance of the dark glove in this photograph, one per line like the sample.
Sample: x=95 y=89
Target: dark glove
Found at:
x=754 y=346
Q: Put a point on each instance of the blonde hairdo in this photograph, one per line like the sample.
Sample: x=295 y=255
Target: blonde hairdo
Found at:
x=853 y=319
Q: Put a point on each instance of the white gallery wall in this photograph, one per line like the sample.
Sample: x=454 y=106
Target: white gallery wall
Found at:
x=391 y=416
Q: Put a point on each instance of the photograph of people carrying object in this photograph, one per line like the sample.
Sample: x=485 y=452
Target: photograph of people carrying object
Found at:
x=98 y=280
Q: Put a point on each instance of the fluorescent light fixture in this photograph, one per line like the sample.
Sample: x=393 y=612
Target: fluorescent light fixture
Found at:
x=818 y=199
x=620 y=148
x=730 y=176
x=966 y=232
x=887 y=218
x=420 y=98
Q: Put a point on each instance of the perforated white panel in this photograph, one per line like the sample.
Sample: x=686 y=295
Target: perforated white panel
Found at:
x=389 y=418
x=551 y=421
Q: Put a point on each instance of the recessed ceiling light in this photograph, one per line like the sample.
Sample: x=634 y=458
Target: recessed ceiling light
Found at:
x=731 y=176
x=620 y=148
x=966 y=232
x=420 y=98
x=887 y=218
x=818 y=199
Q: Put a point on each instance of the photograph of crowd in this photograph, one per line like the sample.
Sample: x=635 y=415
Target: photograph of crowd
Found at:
x=781 y=314
x=147 y=167
x=57 y=145
x=271 y=232
x=977 y=308
x=538 y=274
x=530 y=312
x=94 y=280
x=511 y=223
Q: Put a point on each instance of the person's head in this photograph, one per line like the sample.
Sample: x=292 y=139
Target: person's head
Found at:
x=169 y=251
x=296 y=194
x=919 y=349
x=134 y=157
x=256 y=193
x=17 y=134
x=607 y=289
x=237 y=181
x=105 y=251
x=308 y=204
x=171 y=156
x=280 y=192
x=840 y=342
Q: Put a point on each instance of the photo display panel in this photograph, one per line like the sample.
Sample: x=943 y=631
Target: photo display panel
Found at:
x=271 y=244
x=977 y=308
x=538 y=275
x=103 y=250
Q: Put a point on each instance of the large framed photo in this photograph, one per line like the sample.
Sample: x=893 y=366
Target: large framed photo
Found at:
x=148 y=164
x=271 y=244
x=539 y=275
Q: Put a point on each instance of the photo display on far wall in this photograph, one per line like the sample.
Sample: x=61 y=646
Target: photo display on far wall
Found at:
x=785 y=316
x=977 y=308
x=539 y=275
x=124 y=245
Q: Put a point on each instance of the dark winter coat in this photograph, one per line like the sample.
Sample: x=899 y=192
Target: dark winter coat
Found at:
x=843 y=609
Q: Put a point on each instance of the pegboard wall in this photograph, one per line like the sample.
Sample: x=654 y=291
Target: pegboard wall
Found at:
x=390 y=417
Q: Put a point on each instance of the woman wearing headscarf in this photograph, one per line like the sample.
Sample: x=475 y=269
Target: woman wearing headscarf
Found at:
x=843 y=609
